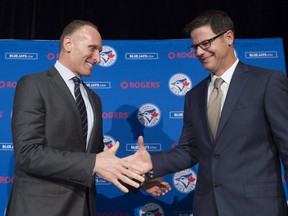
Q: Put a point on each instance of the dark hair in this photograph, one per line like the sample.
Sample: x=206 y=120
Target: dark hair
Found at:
x=219 y=21
x=74 y=26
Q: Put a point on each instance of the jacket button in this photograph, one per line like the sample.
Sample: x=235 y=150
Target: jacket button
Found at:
x=216 y=156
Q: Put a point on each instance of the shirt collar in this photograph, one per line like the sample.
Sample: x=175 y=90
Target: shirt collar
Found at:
x=227 y=75
x=65 y=73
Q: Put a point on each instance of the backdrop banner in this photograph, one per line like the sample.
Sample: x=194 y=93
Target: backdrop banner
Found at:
x=142 y=84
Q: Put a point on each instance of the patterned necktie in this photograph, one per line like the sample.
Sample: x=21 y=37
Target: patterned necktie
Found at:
x=214 y=106
x=81 y=106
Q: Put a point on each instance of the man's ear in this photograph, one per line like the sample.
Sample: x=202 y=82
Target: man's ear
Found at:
x=67 y=44
x=229 y=36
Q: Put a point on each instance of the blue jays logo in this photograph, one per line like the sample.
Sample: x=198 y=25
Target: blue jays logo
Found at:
x=108 y=56
x=185 y=180
x=149 y=115
x=151 y=209
x=180 y=84
x=108 y=142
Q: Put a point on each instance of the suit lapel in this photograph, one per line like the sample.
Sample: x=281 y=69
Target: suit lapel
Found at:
x=62 y=89
x=237 y=84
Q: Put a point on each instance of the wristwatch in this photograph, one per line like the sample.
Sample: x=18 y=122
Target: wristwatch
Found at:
x=149 y=175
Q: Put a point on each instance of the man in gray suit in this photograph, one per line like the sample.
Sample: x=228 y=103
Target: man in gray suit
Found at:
x=56 y=159
x=239 y=170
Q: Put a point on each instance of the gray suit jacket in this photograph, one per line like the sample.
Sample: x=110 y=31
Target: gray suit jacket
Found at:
x=239 y=173
x=53 y=172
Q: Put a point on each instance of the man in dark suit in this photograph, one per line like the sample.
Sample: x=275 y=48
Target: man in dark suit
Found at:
x=239 y=165
x=57 y=159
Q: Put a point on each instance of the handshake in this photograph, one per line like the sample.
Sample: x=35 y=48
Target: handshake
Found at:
x=130 y=170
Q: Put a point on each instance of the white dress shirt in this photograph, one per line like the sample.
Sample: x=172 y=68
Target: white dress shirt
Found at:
x=67 y=76
x=226 y=76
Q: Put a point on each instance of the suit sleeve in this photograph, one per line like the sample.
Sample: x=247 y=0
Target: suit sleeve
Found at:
x=276 y=105
x=33 y=155
x=184 y=155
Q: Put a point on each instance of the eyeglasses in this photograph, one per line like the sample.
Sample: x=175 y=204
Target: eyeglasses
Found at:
x=204 y=45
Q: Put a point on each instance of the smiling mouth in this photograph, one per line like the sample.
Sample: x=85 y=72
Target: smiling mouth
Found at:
x=206 y=58
x=90 y=64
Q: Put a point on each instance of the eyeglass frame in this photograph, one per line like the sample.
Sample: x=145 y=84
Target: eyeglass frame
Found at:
x=193 y=48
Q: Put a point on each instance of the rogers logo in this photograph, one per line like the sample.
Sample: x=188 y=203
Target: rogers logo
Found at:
x=6 y=179
x=137 y=85
x=180 y=55
x=52 y=56
x=8 y=84
x=115 y=115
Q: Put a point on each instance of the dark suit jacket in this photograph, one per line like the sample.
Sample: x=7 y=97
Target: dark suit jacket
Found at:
x=53 y=172
x=239 y=173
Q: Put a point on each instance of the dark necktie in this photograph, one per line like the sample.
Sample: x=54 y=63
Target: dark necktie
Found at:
x=81 y=106
x=214 y=106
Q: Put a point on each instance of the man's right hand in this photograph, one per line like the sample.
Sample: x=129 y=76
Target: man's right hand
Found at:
x=113 y=169
x=141 y=158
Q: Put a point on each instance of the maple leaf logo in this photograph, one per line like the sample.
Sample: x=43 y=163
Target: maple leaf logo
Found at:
x=154 y=114
x=158 y=213
x=111 y=55
x=186 y=83
x=191 y=179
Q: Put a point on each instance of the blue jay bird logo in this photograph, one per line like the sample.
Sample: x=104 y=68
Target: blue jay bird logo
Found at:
x=151 y=212
x=108 y=142
x=108 y=56
x=151 y=209
x=185 y=180
x=149 y=115
x=180 y=84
